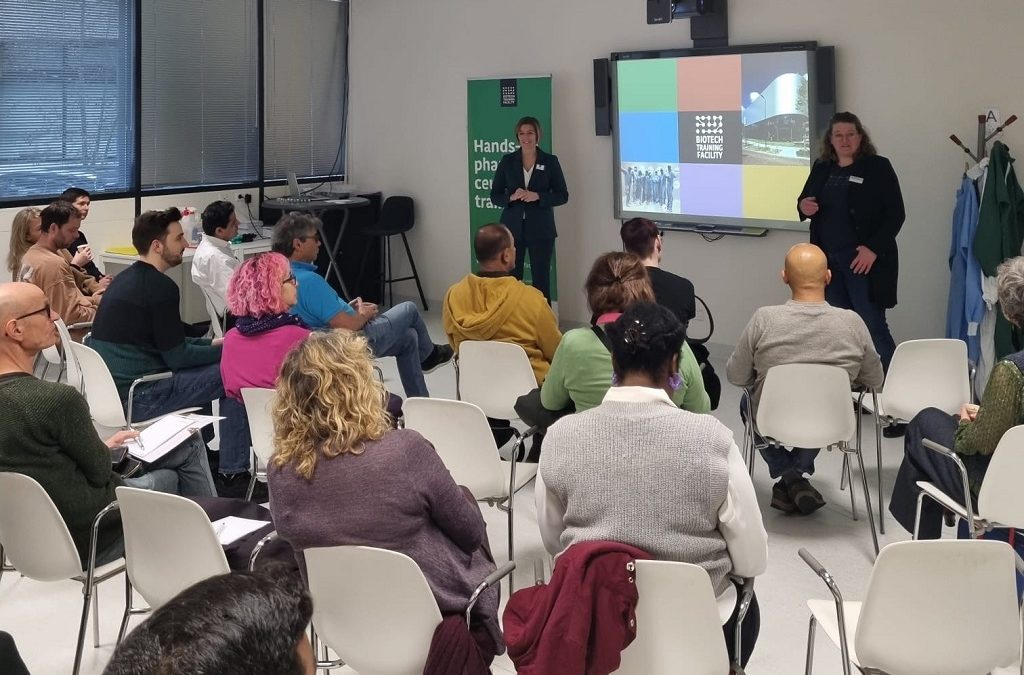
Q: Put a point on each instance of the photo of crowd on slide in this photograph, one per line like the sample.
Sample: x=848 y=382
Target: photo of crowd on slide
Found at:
x=651 y=187
x=776 y=123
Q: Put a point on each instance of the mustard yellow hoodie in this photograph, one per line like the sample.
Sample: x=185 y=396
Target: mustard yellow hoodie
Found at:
x=503 y=309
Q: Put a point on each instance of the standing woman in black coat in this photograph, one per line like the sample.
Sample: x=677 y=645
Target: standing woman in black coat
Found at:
x=856 y=209
x=528 y=184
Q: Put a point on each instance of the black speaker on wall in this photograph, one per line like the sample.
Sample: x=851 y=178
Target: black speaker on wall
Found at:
x=659 y=11
x=602 y=97
x=825 y=76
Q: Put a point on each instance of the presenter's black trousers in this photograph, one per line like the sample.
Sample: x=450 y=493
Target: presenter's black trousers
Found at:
x=540 y=252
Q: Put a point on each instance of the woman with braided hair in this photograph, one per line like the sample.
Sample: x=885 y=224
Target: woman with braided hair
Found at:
x=639 y=470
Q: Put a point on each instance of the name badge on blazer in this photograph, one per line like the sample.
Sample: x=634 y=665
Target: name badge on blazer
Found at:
x=539 y=167
x=857 y=179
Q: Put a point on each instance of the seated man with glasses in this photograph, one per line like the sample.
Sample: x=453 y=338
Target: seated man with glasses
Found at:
x=138 y=331
x=398 y=332
x=46 y=432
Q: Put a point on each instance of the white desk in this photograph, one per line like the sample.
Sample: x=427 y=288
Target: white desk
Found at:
x=193 y=307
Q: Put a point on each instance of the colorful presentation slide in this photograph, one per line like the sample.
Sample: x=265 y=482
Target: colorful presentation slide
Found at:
x=718 y=137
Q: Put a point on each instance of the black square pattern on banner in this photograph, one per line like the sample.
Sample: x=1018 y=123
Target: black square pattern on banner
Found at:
x=711 y=137
x=509 y=94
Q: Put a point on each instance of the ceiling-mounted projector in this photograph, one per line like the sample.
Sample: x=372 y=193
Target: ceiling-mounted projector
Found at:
x=664 y=11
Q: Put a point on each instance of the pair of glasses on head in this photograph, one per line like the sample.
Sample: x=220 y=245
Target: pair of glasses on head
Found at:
x=44 y=310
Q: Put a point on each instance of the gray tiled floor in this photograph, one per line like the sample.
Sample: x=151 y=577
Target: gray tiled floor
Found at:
x=43 y=617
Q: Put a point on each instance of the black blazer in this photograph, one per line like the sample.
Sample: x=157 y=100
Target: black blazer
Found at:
x=877 y=213
x=529 y=221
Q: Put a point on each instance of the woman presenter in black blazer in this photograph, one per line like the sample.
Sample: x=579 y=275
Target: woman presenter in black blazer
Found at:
x=528 y=184
x=856 y=209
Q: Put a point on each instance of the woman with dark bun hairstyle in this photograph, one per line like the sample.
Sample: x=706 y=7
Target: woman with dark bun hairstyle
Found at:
x=638 y=470
x=855 y=205
x=528 y=184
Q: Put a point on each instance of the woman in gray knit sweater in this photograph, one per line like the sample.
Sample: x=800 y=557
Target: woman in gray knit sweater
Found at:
x=639 y=470
x=342 y=476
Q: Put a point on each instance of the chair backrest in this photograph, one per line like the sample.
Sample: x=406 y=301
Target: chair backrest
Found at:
x=926 y=374
x=216 y=325
x=373 y=607
x=493 y=375
x=460 y=434
x=100 y=390
x=397 y=213
x=999 y=498
x=806 y=405
x=677 y=622
x=261 y=426
x=941 y=607
x=169 y=543
x=72 y=369
x=34 y=535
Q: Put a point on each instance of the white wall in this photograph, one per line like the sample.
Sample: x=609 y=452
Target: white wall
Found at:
x=914 y=70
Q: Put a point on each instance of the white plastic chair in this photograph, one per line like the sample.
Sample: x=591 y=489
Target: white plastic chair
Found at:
x=169 y=545
x=460 y=434
x=216 y=321
x=677 y=622
x=101 y=392
x=941 y=607
x=261 y=431
x=807 y=405
x=492 y=375
x=72 y=369
x=1000 y=503
x=923 y=374
x=374 y=608
x=37 y=542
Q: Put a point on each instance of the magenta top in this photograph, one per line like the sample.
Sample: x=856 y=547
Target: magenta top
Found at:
x=255 y=360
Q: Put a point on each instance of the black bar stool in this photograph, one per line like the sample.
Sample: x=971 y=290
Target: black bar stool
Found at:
x=397 y=216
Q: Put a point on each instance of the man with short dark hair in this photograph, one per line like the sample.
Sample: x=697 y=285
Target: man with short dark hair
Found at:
x=493 y=305
x=43 y=265
x=398 y=332
x=213 y=264
x=138 y=331
x=79 y=248
x=46 y=433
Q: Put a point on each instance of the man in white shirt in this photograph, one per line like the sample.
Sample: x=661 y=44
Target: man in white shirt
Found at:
x=213 y=264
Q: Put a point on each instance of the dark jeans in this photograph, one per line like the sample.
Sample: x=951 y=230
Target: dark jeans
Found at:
x=541 y=253
x=199 y=387
x=781 y=461
x=922 y=464
x=853 y=291
x=749 y=630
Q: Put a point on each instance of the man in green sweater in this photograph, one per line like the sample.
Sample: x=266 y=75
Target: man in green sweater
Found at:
x=47 y=434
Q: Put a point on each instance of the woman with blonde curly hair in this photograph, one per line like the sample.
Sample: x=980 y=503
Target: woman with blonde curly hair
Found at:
x=25 y=231
x=342 y=476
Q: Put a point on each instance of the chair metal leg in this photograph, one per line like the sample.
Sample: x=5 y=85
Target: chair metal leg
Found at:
x=95 y=618
x=388 y=271
x=844 y=472
x=87 y=592
x=127 y=608
x=254 y=464
x=415 y=274
x=878 y=451
x=848 y=477
x=811 y=626
x=867 y=499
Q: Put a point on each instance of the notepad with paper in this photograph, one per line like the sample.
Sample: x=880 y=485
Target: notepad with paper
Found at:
x=232 y=528
x=165 y=435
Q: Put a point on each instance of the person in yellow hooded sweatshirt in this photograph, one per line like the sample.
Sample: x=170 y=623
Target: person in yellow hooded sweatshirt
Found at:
x=494 y=305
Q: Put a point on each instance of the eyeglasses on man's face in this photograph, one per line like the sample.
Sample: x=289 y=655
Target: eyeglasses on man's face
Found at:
x=44 y=310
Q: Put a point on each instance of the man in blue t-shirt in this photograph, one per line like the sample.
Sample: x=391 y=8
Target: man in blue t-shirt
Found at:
x=398 y=332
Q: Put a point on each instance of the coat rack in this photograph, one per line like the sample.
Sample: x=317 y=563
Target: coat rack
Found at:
x=982 y=138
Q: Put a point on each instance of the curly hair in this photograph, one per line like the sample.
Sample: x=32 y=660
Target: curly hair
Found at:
x=866 y=149
x=328 y=401
x=255 y=287
x=616 y=281
x=1010 y=288
x=644 y=339
x=20 y=229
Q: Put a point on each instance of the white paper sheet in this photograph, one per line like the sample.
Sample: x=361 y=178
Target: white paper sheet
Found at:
x=233 y=528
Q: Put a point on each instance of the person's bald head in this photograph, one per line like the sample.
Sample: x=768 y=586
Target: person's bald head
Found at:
x=25 y=317
x=494 y=247
x=806 y=269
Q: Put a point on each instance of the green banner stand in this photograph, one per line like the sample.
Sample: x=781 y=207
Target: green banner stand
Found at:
x=494 y=107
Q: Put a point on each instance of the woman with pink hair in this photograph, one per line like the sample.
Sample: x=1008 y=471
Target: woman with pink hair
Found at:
x=260 y=293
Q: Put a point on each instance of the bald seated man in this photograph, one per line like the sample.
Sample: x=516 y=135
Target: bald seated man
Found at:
x=804 y=330
x=46 y=433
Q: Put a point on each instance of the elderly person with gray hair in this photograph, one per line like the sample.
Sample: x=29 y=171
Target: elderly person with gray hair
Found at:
x=973 y=434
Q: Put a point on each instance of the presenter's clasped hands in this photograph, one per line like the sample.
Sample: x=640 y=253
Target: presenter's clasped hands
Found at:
x=808 y=206
x=863 y=261
x=524 y=195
